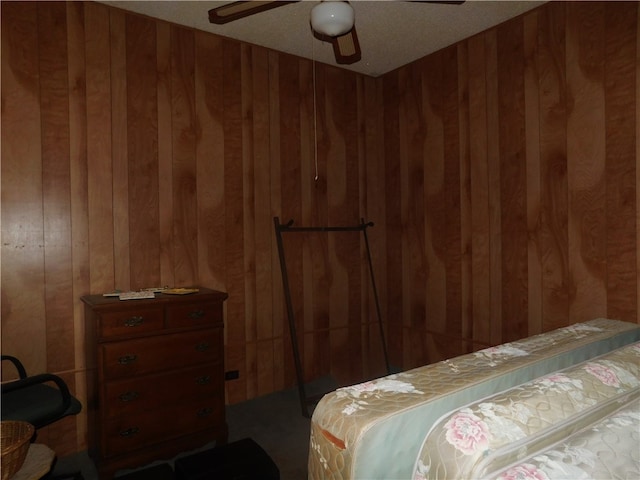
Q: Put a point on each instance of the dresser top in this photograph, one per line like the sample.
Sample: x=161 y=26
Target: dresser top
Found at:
x=203 y=294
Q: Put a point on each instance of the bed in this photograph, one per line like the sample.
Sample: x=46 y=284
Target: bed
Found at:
x=395 y=427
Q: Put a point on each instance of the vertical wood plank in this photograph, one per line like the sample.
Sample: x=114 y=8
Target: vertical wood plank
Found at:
x=344 y=291
x=481 y=274
x=553 y=97
x=466 y=293
x=312 y=201
x=370 y=349
x=434 y=197
x=532 y=145
x=263 y=220
x=353 y=255
x=248 y=206
x=234 y=237
x=167 y=258
x=587 y=221
x=185 y=220
x=99 y=155
x=452 y=193
x=313 y=210
x=318 y=273
x=513 y=181
x=290 y=200
x=621 y=163
x=142 y=126
x=393 y=231
x=374 y=193
x=415 y=269
x=281 y=345
x=494 y=178
x=210 y=160
x=637 y=106
x=311 y=197
x=308 y=145
x=119 y=145
x=78 y=199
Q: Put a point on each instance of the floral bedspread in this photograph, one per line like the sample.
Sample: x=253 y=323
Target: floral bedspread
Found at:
x=589 y=453
x=540 y=429
x=375 y=430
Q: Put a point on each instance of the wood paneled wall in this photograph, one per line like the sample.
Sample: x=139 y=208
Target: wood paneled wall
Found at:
x=137 y=153
x=501 y=174
x=512 y=173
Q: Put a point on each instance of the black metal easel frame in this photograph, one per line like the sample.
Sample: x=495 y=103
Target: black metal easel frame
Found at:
x=288 y=228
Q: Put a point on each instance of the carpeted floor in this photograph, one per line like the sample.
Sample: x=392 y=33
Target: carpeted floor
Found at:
x=273 y=421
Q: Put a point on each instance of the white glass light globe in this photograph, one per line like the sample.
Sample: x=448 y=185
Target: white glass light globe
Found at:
x=332 y=18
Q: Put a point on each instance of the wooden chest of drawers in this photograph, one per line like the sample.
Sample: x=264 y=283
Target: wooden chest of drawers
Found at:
x=155 y=383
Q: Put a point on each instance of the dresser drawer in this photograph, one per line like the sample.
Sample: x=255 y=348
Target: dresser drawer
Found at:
x=124 y=397
x=131 y=322
x=189 y=315
x=161 y=353
x=124 y=434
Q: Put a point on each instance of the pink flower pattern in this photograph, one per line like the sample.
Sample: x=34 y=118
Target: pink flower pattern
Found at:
x=467 y=433
x=525 y=471
x=605 y=374
x=557 y=378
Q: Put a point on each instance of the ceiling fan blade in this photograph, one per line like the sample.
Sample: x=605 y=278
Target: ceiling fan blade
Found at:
x=346 y=47
x=236 y=10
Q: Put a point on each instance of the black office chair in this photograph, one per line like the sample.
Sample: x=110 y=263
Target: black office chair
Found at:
x=39 y=399
x=34 y=399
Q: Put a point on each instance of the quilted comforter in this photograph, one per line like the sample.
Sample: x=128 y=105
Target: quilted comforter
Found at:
x=580 y=422
x=379 y=429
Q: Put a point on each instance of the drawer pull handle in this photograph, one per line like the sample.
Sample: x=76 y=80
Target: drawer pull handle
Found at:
x=196 y=314
x=202 y=347
x=129 y=432
x=204 y=380
x=127 y=359
x=128 y=396
x=203 y=412
x=134 y=321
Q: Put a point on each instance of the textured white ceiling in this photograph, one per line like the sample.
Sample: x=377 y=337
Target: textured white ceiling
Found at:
x=392 y=33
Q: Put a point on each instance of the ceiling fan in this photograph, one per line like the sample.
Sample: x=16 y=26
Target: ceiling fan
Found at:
x=331 y=21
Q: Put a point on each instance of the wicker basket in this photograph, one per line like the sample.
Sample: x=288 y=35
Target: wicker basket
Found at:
x=14 y=445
